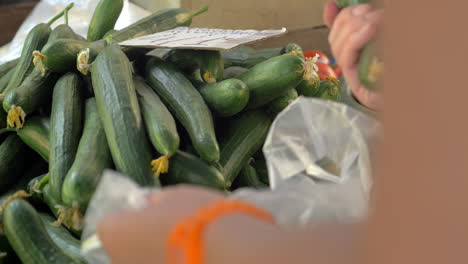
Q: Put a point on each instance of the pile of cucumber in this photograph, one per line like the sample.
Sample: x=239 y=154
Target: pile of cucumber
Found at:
x=74 y=107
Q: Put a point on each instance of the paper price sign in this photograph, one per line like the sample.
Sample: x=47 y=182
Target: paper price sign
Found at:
x=202 y=38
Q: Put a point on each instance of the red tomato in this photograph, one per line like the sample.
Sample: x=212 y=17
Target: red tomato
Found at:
x=323 y=58
x=338 y=71
x=325 y=71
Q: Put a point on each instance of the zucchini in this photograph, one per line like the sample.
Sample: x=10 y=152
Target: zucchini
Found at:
x=13 y=158
x=280 y=103
x=329 y=89
x=233 y=72
x=104 y=18
x=294 y=49
x=271 y=78
x=186 y=104
x=247 y=57
x=66 y=127
x=189 y=169
x=370 y=66
x=262 y=171
x=246 y=136
x=160 y=21
x=209 y=62
x=28 y=236
x=33 y=92
x=308 y=88
x=5 y=79
x=92 y=157
x=118 y=108
x=62 y=238
x=64 y=31
x=8 y=66
x=160 y=125
x=35 y=134
x=226 y=98
x=35 y=40
x=248 y=177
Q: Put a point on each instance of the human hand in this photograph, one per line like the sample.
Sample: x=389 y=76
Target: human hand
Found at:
x=350 y=30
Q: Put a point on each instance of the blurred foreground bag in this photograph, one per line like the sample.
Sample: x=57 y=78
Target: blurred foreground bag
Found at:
x=319 y=161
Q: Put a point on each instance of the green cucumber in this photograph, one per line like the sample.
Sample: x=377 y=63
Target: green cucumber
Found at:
x=35 y=134
x=189 y=169
x=226 y=98
x=35 y=40
x=280 y=103
x=160 y=21
x=33 y=92
x=160 y=125
x=247 y=57
x=233 y=72
x=62 y=238
x=13 y=161
x=65 y=129
x=209 y=62
x=308 y=88
x=271 y=78
x=329 y=89
x=92 y=157
x=248 y=177
x=7 y=66
x=104 y=18
x=64 y=31
x=5 y=79
x=186 y=104
x=347 y=3
x=245 y=137
x=294 y=49
x=28 y=236
x=117 y=104
x=370 y=66
x=262 y=170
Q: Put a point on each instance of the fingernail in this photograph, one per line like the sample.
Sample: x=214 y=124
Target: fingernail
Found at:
x=360 y=10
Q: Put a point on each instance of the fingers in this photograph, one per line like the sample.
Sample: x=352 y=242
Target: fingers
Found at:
x=344 y=18
x=330 y=12
x=348 y=54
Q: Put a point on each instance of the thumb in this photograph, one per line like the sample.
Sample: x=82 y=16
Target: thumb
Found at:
x=330 y=11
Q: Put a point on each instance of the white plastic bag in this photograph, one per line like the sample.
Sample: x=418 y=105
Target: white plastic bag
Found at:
x=318 y=157
x=79 y=18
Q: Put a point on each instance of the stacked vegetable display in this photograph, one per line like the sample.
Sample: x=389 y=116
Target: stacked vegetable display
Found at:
x=75 y=106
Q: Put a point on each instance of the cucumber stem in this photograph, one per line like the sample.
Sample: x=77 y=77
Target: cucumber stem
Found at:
x=59 y=15
x=199 y=11
x=66 y=17
x=38 y=186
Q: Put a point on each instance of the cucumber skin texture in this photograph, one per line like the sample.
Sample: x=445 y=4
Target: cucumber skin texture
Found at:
x=205 y=60
x=35 y=134
x=64 y=31
x=5 y=79
x=60 y=55
x=347 y=3
x=293 y=47
x=233 y=72
x=248 y=177
x=120 y=113
x=92 y=157
x=28 y=236
x=160 y=125
x=308 y=89
x=13 y=158
x=246 y=136
x=104 y=18
x=186 y=104
x=269 y=79
x=280 y=103
x=247 y=57
x=226 y=98
x=32 y=93
x=160 y=21
x=35 y=40
x=65 y=129
x=8 y=66
x=188 y=169
x=63 y=239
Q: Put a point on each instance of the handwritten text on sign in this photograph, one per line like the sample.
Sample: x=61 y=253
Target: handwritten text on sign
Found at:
x=202 y=38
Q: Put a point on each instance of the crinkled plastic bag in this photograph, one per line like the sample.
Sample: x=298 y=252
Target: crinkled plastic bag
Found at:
x=319 y=163
x=79 y=18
